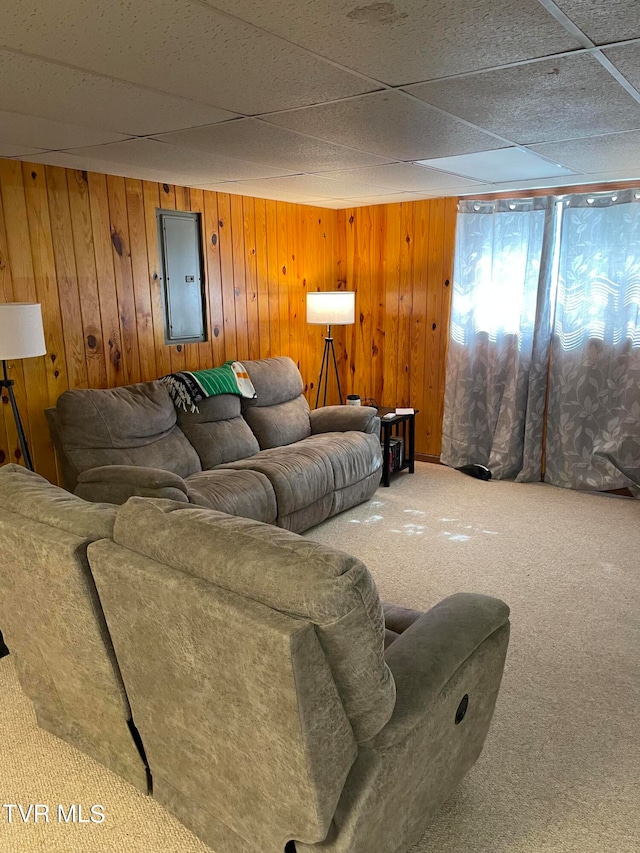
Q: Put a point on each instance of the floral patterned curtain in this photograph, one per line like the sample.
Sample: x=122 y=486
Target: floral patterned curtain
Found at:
x=545 y=332
x=593 y=428
x=497 y=362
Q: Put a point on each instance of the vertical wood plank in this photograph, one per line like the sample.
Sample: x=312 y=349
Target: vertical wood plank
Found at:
x=214 y=277
x=226 y=271
x=262 y=278
x=139 y=259
x=251 y=274
x=273 y=276
x=96 y=348
x=44 y=271
x=66 y=276
x=239 y=277
x=151 y=203
x=117 y=370
x=121 y=256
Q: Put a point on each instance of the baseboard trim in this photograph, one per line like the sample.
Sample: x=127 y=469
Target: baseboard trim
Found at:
x=427 y=457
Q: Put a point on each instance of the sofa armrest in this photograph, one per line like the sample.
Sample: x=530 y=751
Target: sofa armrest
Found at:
x=117 y=483
x=425 y=657
x=345 y=418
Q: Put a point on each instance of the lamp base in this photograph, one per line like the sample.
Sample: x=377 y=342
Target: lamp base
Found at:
x=328 y=354
x=7 y=383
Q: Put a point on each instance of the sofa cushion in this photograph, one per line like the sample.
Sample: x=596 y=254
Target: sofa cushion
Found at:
x=27 y=494
x=281 y=424
x=276 y=380
x=132 y=425
x=300 y=474
x=287 y=573
x=248 y=494
x=279 y=414
x=53 y=622
x=218 y=431
x=353 y=456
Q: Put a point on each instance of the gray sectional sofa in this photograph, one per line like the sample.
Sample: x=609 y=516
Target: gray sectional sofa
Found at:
x=280 y=705
x=270 y=459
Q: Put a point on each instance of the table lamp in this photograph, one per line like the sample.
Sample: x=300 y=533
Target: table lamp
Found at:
x=21 y=336
x=330 y=308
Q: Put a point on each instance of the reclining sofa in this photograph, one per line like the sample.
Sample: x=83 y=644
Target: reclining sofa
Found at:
x=279 y=705
x=270 y=459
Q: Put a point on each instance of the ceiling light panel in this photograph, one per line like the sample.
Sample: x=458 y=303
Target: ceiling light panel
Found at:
x=560 y=98
x=182 y=48
x=508 y=164
x=389 y=124
x=388 y=41
x=251 y=139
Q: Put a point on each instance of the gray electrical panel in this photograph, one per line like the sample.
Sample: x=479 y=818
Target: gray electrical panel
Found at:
x=182 y=280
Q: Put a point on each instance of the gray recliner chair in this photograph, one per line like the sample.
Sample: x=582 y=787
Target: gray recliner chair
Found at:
x=272 y=716
x=54 y=625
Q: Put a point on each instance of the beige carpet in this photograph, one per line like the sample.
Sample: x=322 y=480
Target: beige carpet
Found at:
x=561 y=768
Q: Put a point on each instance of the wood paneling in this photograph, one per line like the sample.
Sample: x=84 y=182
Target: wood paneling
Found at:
x=399 y=259
x=85 y=246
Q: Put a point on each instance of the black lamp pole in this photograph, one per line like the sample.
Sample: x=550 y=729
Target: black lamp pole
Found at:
x=7 y=383
x=328 y=352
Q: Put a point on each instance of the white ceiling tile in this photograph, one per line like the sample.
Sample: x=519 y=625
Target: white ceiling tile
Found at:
x=76 y=97
x=627 y=61
x=262 y=189
x=24 y=130
x=180 y=47
x=255 y=140
x=148 y=153
x=603 y=22
x=411 y=40
x=319 y=186
x=555 y=99
x=403 y=176
x=105 y=167
x=389 y=124
x=508 y=164
x=596 y=154
x=7 y=150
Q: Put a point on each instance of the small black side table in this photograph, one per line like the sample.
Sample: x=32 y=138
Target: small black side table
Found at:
x=397 y=427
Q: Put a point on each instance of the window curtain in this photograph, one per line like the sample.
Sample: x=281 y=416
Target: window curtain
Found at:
x=499 y=336
x=593 y=432
x=544 y=344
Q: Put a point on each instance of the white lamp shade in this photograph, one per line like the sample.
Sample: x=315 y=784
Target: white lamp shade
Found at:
x=21 y=331
x=331 y=307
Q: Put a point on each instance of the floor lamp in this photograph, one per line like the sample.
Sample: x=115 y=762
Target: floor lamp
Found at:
x=330 y=308
x=21 y=336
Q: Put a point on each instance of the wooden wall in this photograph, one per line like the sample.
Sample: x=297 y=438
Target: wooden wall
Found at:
x=399 y=259
x=84 y=245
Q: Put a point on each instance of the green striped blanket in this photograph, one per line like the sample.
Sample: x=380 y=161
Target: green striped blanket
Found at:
x=188 y=388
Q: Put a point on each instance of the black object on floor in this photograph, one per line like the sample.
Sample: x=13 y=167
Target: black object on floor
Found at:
x=480 y=472
x=4 y=651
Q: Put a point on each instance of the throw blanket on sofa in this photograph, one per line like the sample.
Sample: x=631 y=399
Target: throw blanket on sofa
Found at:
x=188 y=388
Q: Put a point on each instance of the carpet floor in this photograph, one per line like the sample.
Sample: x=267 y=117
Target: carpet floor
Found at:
x=561 y=768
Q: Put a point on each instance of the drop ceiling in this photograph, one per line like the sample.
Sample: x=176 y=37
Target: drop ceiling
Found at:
x=326 y=102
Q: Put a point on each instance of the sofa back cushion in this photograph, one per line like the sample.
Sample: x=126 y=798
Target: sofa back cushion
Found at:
x=52 y=620
x=131 y=425
x=286 y=573
x=279 y=414
x=218 y=431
